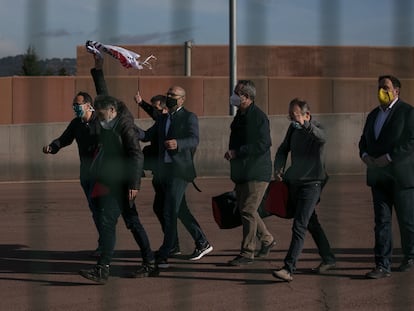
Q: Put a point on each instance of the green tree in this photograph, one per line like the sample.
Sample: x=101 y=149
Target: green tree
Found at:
x=31 y=66
x=48 y=72
x=63 y=72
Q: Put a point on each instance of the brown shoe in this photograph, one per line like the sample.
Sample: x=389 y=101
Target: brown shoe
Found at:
x=283 y=274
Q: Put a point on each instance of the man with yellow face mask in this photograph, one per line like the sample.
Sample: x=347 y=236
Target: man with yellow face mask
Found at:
x=387 y=149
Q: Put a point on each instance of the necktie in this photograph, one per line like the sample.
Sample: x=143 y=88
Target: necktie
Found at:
x=167 y=158
x=168 y=124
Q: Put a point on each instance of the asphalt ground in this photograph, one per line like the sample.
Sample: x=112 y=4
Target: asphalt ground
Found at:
x=46 y=236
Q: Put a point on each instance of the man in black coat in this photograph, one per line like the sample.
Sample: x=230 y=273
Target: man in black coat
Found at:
x=387 y=148
x=116 y=171
x=84 y=129
x=251 y=169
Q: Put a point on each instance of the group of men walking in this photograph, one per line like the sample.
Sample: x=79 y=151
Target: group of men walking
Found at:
x=112 y=164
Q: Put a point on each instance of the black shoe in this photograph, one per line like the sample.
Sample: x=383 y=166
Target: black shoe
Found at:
x=200 y=252
x=162 y=263
x=146 y=270
x=240 y=261
x=324 y=267
x=378 y=273
x=406 y=265
x=265 y=249
x=175 y=251
x=98 y=274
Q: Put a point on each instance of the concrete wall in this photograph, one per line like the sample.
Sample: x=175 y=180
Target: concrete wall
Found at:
x=21 y=156
x=332 y=79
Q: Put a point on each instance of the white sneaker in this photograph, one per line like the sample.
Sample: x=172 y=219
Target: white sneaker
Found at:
x=199 y=253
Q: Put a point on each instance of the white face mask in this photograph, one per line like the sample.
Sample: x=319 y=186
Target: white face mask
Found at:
x=235 y=100
x=108 y=124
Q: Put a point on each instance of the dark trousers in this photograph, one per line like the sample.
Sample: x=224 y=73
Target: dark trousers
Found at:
x=133 y=223
x=110 y=207
x=87 y=186
x=158 y=205
x=384 y=198
x=305 y=197
x=174 y=193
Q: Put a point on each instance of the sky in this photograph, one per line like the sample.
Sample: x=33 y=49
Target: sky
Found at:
x=56 y=27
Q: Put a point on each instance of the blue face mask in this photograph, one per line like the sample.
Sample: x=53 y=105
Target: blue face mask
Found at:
x=79 y=112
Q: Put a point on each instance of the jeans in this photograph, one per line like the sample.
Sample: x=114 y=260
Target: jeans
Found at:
x=87 y=186
x=305 y=197
x=110 y=208
x=249 y=197
x=174 y=192
x=109 y=212
x=402 y=199
x=132 y=222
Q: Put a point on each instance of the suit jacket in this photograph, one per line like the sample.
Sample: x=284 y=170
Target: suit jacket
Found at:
x=183 y=128
x=397 y=139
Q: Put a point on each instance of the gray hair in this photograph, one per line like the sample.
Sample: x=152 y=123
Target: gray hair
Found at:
x=247 y=88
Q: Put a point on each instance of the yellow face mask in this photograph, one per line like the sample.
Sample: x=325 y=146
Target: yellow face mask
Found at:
x=385 y=97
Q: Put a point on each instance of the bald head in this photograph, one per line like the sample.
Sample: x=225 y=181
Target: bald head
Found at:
x=175 y=98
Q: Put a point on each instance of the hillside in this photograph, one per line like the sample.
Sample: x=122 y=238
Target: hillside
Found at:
x=12 y=66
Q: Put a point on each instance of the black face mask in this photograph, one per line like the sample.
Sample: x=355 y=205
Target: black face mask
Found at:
x=171 y=102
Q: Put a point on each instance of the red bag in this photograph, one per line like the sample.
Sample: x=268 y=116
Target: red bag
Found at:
x=277 y=200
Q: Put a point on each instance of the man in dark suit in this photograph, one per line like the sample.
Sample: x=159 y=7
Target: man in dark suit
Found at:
x=154 y=109
x=387 y=148
x=177 y=135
